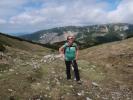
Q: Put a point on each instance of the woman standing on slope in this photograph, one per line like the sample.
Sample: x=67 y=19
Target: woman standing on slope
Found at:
x=69 y=51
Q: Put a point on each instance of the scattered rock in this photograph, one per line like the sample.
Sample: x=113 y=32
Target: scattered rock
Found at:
x=48 y=88
x=53 y=72
x=87 y=98
x=95 y=84
x=71 y=86
x=81 y=93
x=48 y=82
x=37 y=97
x=10 y=90
x=58 y=83
x=130 y=65
x=93 y=66
x=46 y=95
x=11 y=70
x=51 y=57
x=68 y=93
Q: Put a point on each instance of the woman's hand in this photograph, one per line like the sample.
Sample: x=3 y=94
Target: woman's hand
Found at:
x=63 y=56
x=76 y=58
x=61 y=51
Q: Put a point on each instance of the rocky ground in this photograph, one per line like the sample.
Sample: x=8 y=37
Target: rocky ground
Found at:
x=26 y=75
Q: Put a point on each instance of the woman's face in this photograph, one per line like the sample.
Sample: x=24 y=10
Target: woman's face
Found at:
x=70 y=40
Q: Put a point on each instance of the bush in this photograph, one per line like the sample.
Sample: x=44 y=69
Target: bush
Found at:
x=2 y=48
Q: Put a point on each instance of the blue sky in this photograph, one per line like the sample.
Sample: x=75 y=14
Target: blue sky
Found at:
x=21 y=16
x=112 y=3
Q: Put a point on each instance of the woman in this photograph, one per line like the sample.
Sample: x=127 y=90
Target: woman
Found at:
x=69 y=51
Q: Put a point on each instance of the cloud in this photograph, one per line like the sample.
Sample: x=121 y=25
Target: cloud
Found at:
x=34 y=15
x=10 y=8
x=2 y=21
x=66 y=13
x=123 y=13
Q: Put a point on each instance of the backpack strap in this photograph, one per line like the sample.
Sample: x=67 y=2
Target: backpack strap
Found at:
x=73 y=45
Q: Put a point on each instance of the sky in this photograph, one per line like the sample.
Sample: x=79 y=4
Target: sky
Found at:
x=27 y=16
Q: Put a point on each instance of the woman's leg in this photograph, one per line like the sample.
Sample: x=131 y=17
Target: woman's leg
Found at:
x=76 y=71
x=68 y=66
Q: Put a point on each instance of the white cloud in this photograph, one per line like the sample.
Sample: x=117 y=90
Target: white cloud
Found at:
x=52 y=13
x=65 y=14
x=2 y=21
x=123 y=13
x=10 y=8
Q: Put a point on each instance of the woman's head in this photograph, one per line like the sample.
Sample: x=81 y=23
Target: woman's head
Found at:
x=70 y=39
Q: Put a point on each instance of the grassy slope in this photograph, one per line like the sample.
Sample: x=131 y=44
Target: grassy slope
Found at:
x=19 y=43
x=116 y=59
x=25 y=74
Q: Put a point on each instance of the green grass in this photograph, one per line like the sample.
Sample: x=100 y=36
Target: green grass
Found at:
x=90 y=71
x=4 y=67
x=49 y=79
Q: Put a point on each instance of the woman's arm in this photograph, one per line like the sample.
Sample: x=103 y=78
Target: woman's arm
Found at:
x=61 y=51
x=77 y=53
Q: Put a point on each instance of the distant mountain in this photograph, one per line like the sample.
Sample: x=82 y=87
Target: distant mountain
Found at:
x=19 y=33
x=86 y=35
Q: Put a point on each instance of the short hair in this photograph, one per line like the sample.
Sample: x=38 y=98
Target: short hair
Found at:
x=68 y=37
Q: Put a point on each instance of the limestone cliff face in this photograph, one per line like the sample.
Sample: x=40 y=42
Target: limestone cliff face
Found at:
x=54 y=37
x=118 y=30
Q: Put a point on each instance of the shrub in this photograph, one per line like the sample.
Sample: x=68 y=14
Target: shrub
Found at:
x=2 y=48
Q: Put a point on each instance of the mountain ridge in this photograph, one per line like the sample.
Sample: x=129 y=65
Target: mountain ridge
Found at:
x=85 y=35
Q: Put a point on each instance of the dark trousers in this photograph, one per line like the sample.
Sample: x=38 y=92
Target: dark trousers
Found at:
x=68 y=69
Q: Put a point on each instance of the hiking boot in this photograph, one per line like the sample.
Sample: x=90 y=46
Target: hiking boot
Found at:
x=79 y=82
x=74 y=79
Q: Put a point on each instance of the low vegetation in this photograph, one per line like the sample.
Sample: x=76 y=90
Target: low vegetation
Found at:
x=33 y=72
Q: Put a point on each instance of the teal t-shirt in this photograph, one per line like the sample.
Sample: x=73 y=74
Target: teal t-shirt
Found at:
x=70 y=51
